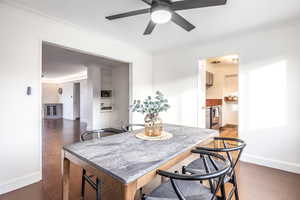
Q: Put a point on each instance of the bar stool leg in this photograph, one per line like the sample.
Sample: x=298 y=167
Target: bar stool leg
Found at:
x=98 y=189
x=236 y=193
x=223 y=192
x=141 y=192
x=83 y=184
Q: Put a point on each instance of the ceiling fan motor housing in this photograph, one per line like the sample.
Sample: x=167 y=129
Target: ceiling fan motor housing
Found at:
x=161 y=5
x=161 y=12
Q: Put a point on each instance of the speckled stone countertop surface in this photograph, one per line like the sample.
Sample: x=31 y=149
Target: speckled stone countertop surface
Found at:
x=127 y=158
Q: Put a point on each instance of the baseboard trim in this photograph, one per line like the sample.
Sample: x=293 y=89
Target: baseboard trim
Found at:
x=20 y=182
x=277 y=164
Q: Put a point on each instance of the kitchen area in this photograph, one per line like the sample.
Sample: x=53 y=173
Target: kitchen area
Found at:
x=222 y=92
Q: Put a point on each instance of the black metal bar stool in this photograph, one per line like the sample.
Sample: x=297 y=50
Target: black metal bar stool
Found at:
x=94 y=182
x=232 y=148
x=189 y=185
x=130 y=127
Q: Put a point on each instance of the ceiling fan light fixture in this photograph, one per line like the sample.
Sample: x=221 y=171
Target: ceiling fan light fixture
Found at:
x=161 y=16
x=163 y=11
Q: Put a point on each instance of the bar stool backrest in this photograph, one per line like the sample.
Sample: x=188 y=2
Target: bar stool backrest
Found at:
x=197 y=175
x=131 y=127
x=232 y=147
x=89 y=135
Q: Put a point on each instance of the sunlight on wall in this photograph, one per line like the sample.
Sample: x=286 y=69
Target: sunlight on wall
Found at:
x=183 y=104
x=267 y=96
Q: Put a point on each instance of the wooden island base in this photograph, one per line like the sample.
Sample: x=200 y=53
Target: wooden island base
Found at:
x=111 y=188
x=118 y=183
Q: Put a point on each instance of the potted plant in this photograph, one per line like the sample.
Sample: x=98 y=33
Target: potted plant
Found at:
x=151 y=107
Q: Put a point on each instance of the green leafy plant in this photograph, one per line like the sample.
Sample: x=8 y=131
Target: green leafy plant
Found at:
x=151 y=105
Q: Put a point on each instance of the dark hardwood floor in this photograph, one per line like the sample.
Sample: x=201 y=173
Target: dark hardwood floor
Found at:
x=255 y=182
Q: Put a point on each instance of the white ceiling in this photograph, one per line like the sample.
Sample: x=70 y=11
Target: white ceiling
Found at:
x=59 y=62
x=211 y=23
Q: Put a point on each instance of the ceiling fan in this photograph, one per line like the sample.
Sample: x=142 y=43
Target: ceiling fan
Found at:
x=163 y=11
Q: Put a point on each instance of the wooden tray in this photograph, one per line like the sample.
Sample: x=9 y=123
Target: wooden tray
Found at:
x=164 y=136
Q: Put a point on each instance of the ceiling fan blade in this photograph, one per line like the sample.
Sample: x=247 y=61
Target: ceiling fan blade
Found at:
x=128 y=14
x=180 y=21
x=190 y=4
x=149 y=2
x=150 y=28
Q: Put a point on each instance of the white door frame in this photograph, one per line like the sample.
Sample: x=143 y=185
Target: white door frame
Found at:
x=201 y=93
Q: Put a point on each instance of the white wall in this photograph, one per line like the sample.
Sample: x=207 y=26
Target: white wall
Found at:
x=269 y=83
x=76 y=100
x=93 y=97
x=83 y=101
x=120 y=85
x=230 y=110
x=21 y=38
x=66 y=98
x=50 y=93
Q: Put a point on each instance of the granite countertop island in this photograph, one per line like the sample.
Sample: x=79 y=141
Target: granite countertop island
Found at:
x=127 y=158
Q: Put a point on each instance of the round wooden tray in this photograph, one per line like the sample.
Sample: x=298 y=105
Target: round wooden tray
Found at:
x=164 y=136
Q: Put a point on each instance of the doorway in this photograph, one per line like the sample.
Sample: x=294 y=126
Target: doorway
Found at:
x=75 y=84
x=219 y=94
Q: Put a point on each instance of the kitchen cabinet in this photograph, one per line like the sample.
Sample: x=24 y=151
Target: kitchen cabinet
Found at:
x=53 y=111
x=209 y=79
